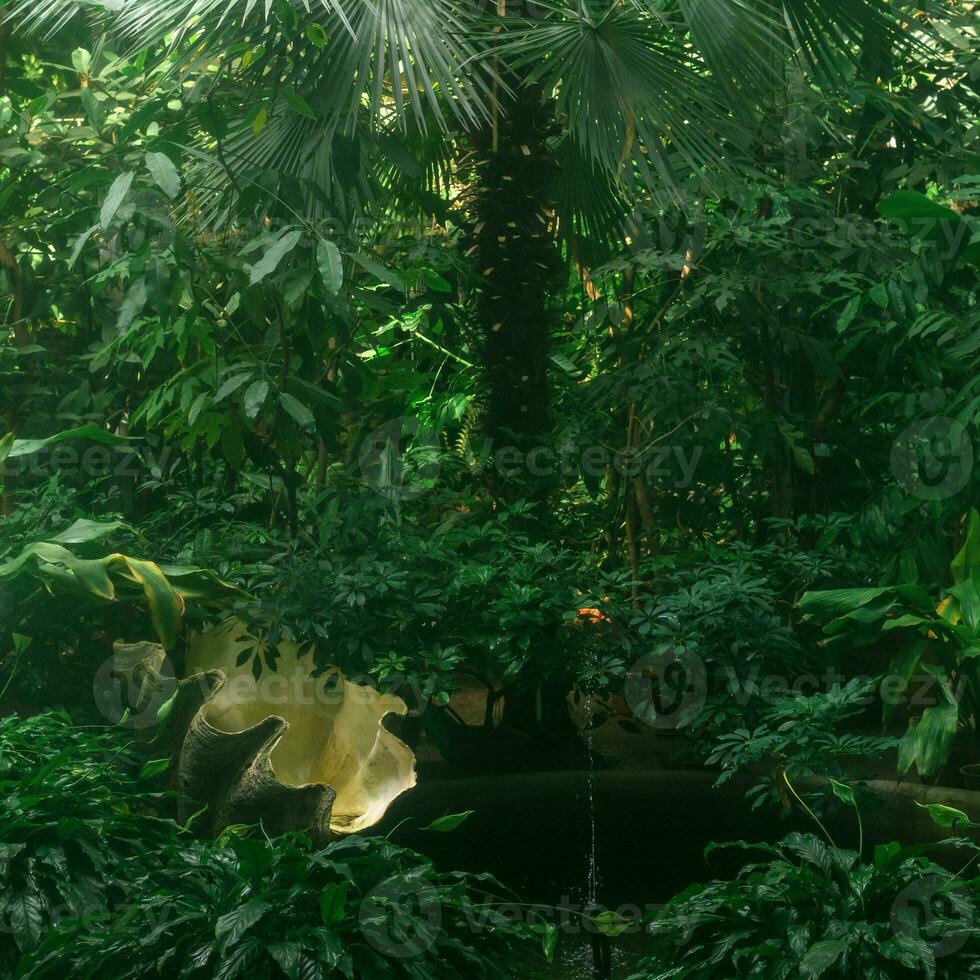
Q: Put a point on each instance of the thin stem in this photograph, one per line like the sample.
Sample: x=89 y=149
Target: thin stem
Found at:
x=800 y=800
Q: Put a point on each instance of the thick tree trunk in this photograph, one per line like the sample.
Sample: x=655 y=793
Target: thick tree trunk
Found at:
x=519 y=259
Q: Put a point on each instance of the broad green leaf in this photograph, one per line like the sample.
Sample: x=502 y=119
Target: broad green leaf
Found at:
x=166 y=604
x=233 y=925
x=450 y=822
x=255 y=396
x=25 y=447
x=919 y=216
x=79 y=244
x=968 y=557
x=947 y=817
x=820 y=957
x=848 y=314
x=231 y=385
x=435 y=282
x=843 y=792
x=81 y=60
x=297 y=410
x=84 y=530
x=610 y=923
x=549 y=941
x=316 y=35
x=331 y=265
x=901 y=668
x=928 y=741
x=117 y=193
x=274 y=255
x=379 y=271
x=26 y=912
x=333 y=903
x=164 y=173
x=832 y=603
x=153 y=768
x=297 y=103
x=163 y=712
x=93 y=575
x=878 y=295
x=132 y=304
x=6 y=445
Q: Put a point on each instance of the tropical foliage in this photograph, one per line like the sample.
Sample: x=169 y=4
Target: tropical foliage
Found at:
x=573 y=369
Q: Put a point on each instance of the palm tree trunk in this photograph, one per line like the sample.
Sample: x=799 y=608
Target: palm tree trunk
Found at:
x=519 y=259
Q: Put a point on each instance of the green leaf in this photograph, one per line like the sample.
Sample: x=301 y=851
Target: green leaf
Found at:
x=316 y=35
x=255 y=396
x=25 y=909
x=902 y=667
x=435 y=282
x=968 y=557
x=117 y=193
x=233 y=925
x=331 y=265
x=333 y=903
x=164 y=173
x=25 y=447
x=821 y=956
x=831 y=603
x=549 y=941
x=379 y=271
x=163 y=712
x=79 y=244
x=93 y=576
x=843 y=792
x=879 y=295
x=610 y=923
x=274 y=255
x=947 y=817
x=928 y=741
x=6 y=445
x=450 y=822
x=153 y=768
x=297 y=410
x=84 y=531
x=166 y=604
x=81 y=60
x=132 y=304
x=848 y=314
x=919 y=216
x=297 y=103
x=231 y=385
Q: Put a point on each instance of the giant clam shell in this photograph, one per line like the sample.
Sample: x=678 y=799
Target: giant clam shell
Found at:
x=281 y=745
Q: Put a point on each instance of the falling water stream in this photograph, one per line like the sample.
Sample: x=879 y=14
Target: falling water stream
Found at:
x=601 y=952
x=591 y=881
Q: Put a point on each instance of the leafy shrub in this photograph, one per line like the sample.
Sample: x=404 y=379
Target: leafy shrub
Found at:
x=251 y=908
x=937 y=636
x=814 y=910
x=94 y=883
x=74 y=815
x=799 y=738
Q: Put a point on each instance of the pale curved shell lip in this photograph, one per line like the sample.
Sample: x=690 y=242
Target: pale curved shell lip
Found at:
x=361 y=800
